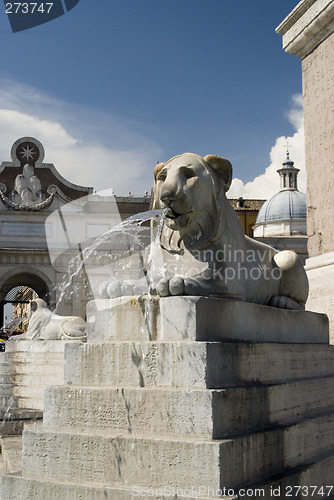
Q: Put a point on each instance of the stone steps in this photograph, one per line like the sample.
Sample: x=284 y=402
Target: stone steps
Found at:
x=6 y=390
x=11 y=451
x=27 y=347
x=194 y=364
x=13 y=419
x=22 y=355
x=8 y=402
x=26 y=368
x=19 y=366
x=21 y=358
x=30 y=488
x=317 y=475
x=30 y=379
x=32 y=385
x=197 y=400
x=25 y=395
x=2 y=469
x=187 y=412
x=121 y=459
x=29 y=401
x=15 y=486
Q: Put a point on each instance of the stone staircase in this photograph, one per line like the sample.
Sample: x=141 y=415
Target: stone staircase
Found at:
x=11 y=453
x=189 y=396
x=26 y=368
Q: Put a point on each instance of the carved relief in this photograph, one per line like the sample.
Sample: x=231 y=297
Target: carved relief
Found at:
x=27 y=192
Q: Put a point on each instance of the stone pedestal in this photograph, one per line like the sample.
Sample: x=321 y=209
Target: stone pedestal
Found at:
x=185 y=396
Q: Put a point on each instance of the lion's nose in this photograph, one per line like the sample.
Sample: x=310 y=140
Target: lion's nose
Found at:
x=167 y=200
x=167 y=196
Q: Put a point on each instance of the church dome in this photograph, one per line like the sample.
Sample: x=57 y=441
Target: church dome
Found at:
x=284 y=214
x=282 y=206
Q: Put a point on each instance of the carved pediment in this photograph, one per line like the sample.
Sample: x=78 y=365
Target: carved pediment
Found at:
x=28 y=184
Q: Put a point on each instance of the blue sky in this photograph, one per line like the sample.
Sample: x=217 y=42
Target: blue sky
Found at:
x=114 y=86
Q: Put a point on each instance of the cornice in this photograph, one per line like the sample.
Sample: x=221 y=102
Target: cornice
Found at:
x=309 y=24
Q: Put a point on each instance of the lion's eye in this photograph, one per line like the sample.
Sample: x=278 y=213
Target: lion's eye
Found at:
x=188 y=172
x=162 y=176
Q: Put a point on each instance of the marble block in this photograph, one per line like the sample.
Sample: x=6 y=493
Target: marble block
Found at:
x=201 y=318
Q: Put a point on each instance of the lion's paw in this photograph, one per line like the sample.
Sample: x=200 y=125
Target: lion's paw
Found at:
x=117 y=288
x=110 y=289
x=171 y=286
x=283 y=302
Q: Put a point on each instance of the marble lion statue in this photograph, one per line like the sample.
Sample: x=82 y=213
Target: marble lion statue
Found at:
x=203 y=234
x=45 y=325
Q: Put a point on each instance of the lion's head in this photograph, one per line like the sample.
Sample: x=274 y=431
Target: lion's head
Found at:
x=191 y=189
x=35 y=305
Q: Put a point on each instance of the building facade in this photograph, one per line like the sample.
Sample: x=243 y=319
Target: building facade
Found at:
x=30 y=190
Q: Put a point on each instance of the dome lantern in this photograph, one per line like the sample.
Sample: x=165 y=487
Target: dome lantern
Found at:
x=288 y=174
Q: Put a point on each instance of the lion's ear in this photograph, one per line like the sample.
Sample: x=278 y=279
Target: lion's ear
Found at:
x=222 y=166
x=158 y=169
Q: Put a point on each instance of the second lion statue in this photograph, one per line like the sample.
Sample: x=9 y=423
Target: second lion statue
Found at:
x=201 y=223
x=46 y=325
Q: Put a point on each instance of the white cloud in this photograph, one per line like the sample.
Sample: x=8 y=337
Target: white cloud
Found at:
x=73 y=142
x=95 y=149
x=267 y=184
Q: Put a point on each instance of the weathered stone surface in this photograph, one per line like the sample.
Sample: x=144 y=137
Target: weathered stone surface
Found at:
x=320 y=272
x=29 y=488
x=160 y=412
x=186 y=412
x=194 y=364
x=201 y=318
x=178 y=462
x=313 y=478
x=318 y=86
x=11 y=451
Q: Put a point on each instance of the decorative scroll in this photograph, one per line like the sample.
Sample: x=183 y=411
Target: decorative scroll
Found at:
x=23 y=206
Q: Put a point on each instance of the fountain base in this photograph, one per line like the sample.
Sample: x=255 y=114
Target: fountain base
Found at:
x=185 y=396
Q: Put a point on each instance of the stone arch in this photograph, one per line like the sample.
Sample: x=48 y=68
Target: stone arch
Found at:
x=24 y=277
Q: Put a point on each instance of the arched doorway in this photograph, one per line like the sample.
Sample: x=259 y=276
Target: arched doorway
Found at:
x=15 y=307
x=15 y=294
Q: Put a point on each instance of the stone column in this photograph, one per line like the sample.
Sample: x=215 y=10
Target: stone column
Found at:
x=308 y=32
